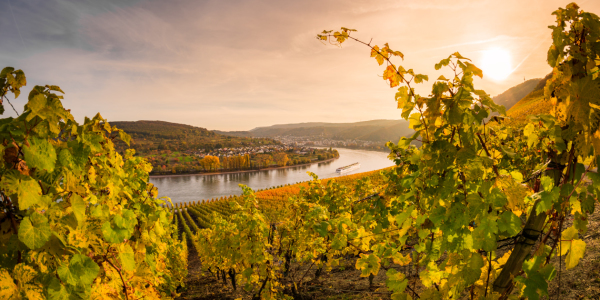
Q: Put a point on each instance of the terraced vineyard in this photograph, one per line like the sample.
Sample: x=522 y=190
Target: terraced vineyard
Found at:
x=531 y=105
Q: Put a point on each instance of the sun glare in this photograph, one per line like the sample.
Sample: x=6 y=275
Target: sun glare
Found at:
x=496 y=64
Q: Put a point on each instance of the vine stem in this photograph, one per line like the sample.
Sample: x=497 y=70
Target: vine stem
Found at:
x=488 y=275
x=407 y=82
x=18 y=115
x=488 y=154
x=120 y=275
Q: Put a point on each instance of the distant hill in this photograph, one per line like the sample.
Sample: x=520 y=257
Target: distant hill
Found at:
x=160 y=135
x=511 y=96
x=161 y=129
x=234 y=133
x=374 y=130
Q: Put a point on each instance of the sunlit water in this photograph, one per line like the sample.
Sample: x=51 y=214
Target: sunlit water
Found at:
x=184 y=188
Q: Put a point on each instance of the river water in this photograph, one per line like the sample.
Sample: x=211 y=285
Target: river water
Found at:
x=185 y=188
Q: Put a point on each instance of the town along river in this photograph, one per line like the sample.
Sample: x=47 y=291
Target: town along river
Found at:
x=185 y=188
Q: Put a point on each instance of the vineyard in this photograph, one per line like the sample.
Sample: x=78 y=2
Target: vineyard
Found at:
x=494 y=210
x=481 y=210
x=192 y=216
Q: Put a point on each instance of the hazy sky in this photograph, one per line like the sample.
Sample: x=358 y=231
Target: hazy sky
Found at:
x=236 y=65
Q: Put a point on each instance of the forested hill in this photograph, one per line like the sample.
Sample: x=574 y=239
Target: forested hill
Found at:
x=374 y=131
x=516 y=93
x=160 y=135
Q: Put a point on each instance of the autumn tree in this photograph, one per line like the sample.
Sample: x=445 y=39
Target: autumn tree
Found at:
x=264 y=160
x=280 y=158
x=210 y=163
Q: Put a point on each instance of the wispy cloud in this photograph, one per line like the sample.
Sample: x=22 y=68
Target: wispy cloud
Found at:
x=235 y=65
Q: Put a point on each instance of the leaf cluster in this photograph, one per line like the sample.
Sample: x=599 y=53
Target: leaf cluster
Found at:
x=77 y=219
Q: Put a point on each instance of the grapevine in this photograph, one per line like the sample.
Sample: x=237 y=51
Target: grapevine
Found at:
x=477 y=211
x=77 y=218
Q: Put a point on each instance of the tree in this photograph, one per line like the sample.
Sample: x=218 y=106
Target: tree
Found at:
x=210 y=163
x=280 y=158
x=263 y=160
x=75 y=215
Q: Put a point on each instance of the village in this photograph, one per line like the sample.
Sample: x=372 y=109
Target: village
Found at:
x=318 y=141
x=235 y=159
x=267 y=149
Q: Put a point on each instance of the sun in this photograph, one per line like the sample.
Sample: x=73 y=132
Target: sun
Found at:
x=496 y=64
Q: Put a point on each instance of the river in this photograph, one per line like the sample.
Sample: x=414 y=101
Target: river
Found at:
x=185 y=188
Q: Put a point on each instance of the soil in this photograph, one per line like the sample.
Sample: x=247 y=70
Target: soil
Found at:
x=344 y=282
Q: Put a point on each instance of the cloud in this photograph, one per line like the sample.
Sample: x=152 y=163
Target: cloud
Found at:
x=235 y=65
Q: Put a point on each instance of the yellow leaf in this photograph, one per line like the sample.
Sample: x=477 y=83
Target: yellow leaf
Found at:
x=376 y=53
x=514 y=191
x=596 y=142
x=575 y=254
x=567 y=236
x=400 y=259
x=8 y=289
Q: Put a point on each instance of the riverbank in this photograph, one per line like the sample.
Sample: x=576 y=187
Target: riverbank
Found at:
x=242 y=171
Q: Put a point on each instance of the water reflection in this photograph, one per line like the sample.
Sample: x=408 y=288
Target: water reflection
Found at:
x=185 y=188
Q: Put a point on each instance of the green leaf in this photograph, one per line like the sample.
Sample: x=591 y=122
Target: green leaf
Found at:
x=339 y=242
x=127 y=257
x=29 y=193
x=57 y=291
x=473 y=69
x=40 y=154
x=396 y=281
x=548 y=198
x=34 y=231
x=420 y=78
x=442 y=63
x=79 y=207
x=368 y=264
x=509 y=223
x=322 y=228
x=472 y=271
x=120 y=228
x=484 y=236
x=124 y=137
x=400 y=218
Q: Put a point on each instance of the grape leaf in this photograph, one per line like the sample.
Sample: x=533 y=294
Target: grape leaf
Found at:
x=576 y=252
x=8 y=288
x=34 y=231
x=120 y=227
x=368 y=264
x=81 y=270
x=40 y=154
x=127 y=257
x=396 y=281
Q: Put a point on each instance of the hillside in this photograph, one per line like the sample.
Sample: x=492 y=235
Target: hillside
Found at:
x=511 y=96
x=372 y=131
x=160 y=135
x=532 y=104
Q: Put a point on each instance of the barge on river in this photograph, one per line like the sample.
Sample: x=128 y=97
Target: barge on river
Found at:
x=347 y=168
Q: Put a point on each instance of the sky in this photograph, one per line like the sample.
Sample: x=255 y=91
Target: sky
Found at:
x=237 y=65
